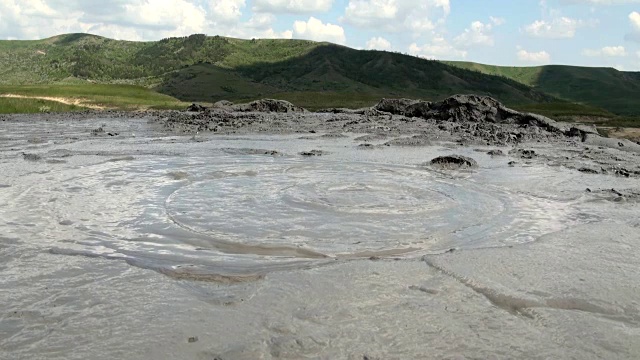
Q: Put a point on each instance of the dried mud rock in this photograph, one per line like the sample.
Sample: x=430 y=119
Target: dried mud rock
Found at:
x=268 y=105
x=313 y=153
x=454 y=162
x=416 y=140
x=588 y=170
x=196 y=108
x=31 y=157
x=477 y=109
x=223 y=104
x=395 y=106
x=523 y=154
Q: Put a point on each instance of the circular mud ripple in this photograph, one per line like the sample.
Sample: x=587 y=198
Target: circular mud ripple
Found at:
x=338 y=209
x=325 y=207
x=235 y=218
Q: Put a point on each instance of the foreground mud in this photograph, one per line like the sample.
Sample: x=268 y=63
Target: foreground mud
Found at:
x=314 y=235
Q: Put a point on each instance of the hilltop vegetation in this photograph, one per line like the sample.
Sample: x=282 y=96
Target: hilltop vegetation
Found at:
x=90 y=57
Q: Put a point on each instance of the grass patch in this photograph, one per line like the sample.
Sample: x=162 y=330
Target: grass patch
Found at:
x=561 y=111
x=122 y=97
x=32 y=106
x=564 y=109
x=620 y=121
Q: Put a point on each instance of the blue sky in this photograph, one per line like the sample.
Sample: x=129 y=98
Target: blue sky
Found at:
x=502 y=32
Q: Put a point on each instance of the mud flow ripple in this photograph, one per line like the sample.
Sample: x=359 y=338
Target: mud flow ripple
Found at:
x=238 y=215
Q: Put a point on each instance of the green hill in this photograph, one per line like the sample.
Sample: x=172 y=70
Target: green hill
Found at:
x=607 y=88
x=202 y=68
x=329 y=69
x=311 y=74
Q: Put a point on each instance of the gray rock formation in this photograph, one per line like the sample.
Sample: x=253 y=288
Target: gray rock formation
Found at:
x=268 y=105
x=196 y=108
x=478 y=109
x=454 y=162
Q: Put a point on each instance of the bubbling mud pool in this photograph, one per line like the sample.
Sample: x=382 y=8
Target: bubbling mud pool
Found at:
x=154 y=241
x=242 y=216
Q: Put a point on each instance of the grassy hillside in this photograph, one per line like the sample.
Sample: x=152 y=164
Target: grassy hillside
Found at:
x=201 y=68
x=607 y=88
x=100 y=59
x=329 y=72
x=93 y=70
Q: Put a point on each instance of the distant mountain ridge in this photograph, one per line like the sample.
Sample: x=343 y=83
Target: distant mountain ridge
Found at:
x=211 y=68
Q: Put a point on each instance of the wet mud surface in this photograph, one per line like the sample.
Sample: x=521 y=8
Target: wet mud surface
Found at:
x=242 y=235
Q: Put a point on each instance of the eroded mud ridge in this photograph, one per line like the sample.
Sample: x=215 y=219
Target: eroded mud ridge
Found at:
x=466 y=118
x=234 y=234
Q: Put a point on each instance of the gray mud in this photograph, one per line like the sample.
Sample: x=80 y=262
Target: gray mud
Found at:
x=214 y=234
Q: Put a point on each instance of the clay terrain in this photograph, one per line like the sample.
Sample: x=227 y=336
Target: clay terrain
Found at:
x=455 y=229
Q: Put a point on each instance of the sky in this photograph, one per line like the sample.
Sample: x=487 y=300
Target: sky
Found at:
x=500 y=32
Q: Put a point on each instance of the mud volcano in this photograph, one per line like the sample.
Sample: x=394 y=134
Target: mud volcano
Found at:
x=211 y=233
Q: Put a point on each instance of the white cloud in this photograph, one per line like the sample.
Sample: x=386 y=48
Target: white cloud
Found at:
x=32 y=20
x=136 y=20
x=614 y=51
x=378 y=43
x=260 y=21
x=370 y=12
x=477 y=34
x=437 y=48
x=634 y=35
x=178 y=16
x=634 y=17
x=607 y=51
x=497 y=20
x=397 y=15
x=292 y=6
x=314 y=29
x=133 y=19
x=540 y=57
x=227 y=10
x=271 y=34
x=557 y=28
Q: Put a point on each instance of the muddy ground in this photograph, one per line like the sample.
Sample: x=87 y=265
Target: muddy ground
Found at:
x=458 y=229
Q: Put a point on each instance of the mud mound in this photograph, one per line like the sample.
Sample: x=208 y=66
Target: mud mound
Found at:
x=268 y=105
x=196 y=108
x=395 y=106
x=454 y=162
x=457 y=108
x=416 y=140
x=477 y=109
x=496 y=152
x=313 y=153
x=223 y=104
x=31 y=157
